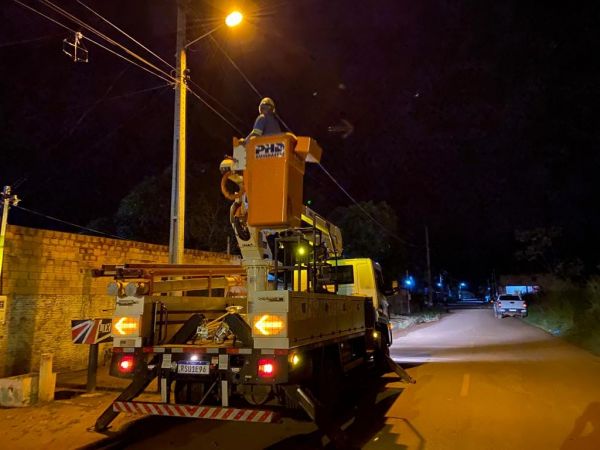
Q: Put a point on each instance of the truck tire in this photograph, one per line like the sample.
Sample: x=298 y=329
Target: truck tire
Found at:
x=328 y=387
x=382 y=353
x=380 y=359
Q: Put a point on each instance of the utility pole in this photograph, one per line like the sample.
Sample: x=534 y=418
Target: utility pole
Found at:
x=176 y=232
x=8 y=200
x=429 y=280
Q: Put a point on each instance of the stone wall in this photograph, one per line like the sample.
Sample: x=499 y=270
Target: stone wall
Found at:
x=47 y=278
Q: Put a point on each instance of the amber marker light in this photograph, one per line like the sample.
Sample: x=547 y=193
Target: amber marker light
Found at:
x=269 y=324
x=124 y=326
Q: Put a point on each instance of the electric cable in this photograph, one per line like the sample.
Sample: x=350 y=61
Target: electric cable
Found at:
x=364 y=211
x=246 y=79
x=88 y=111
x=112 y=41
x=114 y=97
x=125 y=34
x=205 y=92
x=27 y=41
x=191 y=91
x=67 y=134
x=170 y=79
x=92 y=41
x=67 y=223
x=87 y=149
x=236 y=67
x=390 y=233
x=101 y=35
x=108 y=39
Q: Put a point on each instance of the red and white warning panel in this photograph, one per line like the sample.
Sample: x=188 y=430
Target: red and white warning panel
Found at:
x=196 y=412
x=90 y=331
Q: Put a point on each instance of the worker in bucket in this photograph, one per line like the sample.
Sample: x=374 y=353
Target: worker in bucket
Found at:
x=266 y=123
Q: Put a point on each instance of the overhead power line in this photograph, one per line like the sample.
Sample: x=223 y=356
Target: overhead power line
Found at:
x=169 y=79
x=364 y=211
x=225 y=108
x=195 y=94
x=106 y=99
x=162 y=75
x=236 y=67
x=124 y=33
x=67 y=223
x=246 y=79
x=358 y=205
x=130 y=52
x=26 y=41
x=101 y=35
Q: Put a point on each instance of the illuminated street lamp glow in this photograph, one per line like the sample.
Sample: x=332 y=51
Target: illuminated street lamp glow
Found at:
x=234 y=19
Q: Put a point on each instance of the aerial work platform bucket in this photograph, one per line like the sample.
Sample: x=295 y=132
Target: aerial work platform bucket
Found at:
x=274 y=178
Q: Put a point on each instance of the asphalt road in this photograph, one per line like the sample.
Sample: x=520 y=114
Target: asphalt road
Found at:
x=482 y=383
x=486 y=383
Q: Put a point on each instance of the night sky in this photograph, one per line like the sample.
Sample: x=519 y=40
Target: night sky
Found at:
x=473 y=118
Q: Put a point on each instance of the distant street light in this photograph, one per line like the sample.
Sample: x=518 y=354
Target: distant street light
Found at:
x=177 y=218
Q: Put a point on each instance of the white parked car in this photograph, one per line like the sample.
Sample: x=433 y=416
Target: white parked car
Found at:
x=510 y=305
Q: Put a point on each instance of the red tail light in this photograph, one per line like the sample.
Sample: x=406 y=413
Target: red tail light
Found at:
x=266 y=368
x=126 y=364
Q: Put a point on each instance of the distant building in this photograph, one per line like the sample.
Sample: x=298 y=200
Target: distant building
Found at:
x=525 y=284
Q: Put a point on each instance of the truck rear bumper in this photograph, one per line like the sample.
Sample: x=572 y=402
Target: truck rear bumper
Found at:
x=197 y=411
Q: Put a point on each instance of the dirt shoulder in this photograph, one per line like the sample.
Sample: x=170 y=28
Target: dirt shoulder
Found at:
x=61 y=424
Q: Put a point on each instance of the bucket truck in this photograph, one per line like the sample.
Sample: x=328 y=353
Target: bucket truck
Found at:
x=248 y=343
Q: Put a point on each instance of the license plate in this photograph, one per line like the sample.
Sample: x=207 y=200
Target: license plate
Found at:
x=513 y=310
x=194 y=367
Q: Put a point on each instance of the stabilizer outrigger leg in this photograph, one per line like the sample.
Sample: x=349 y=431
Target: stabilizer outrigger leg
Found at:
x=398 y=370
x=143 y=375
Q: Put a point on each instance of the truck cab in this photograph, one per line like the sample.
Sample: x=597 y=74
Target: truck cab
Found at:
x=365 y=279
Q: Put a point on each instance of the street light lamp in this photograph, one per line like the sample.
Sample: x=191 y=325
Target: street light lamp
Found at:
x=177 y=218
x=234 y=19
